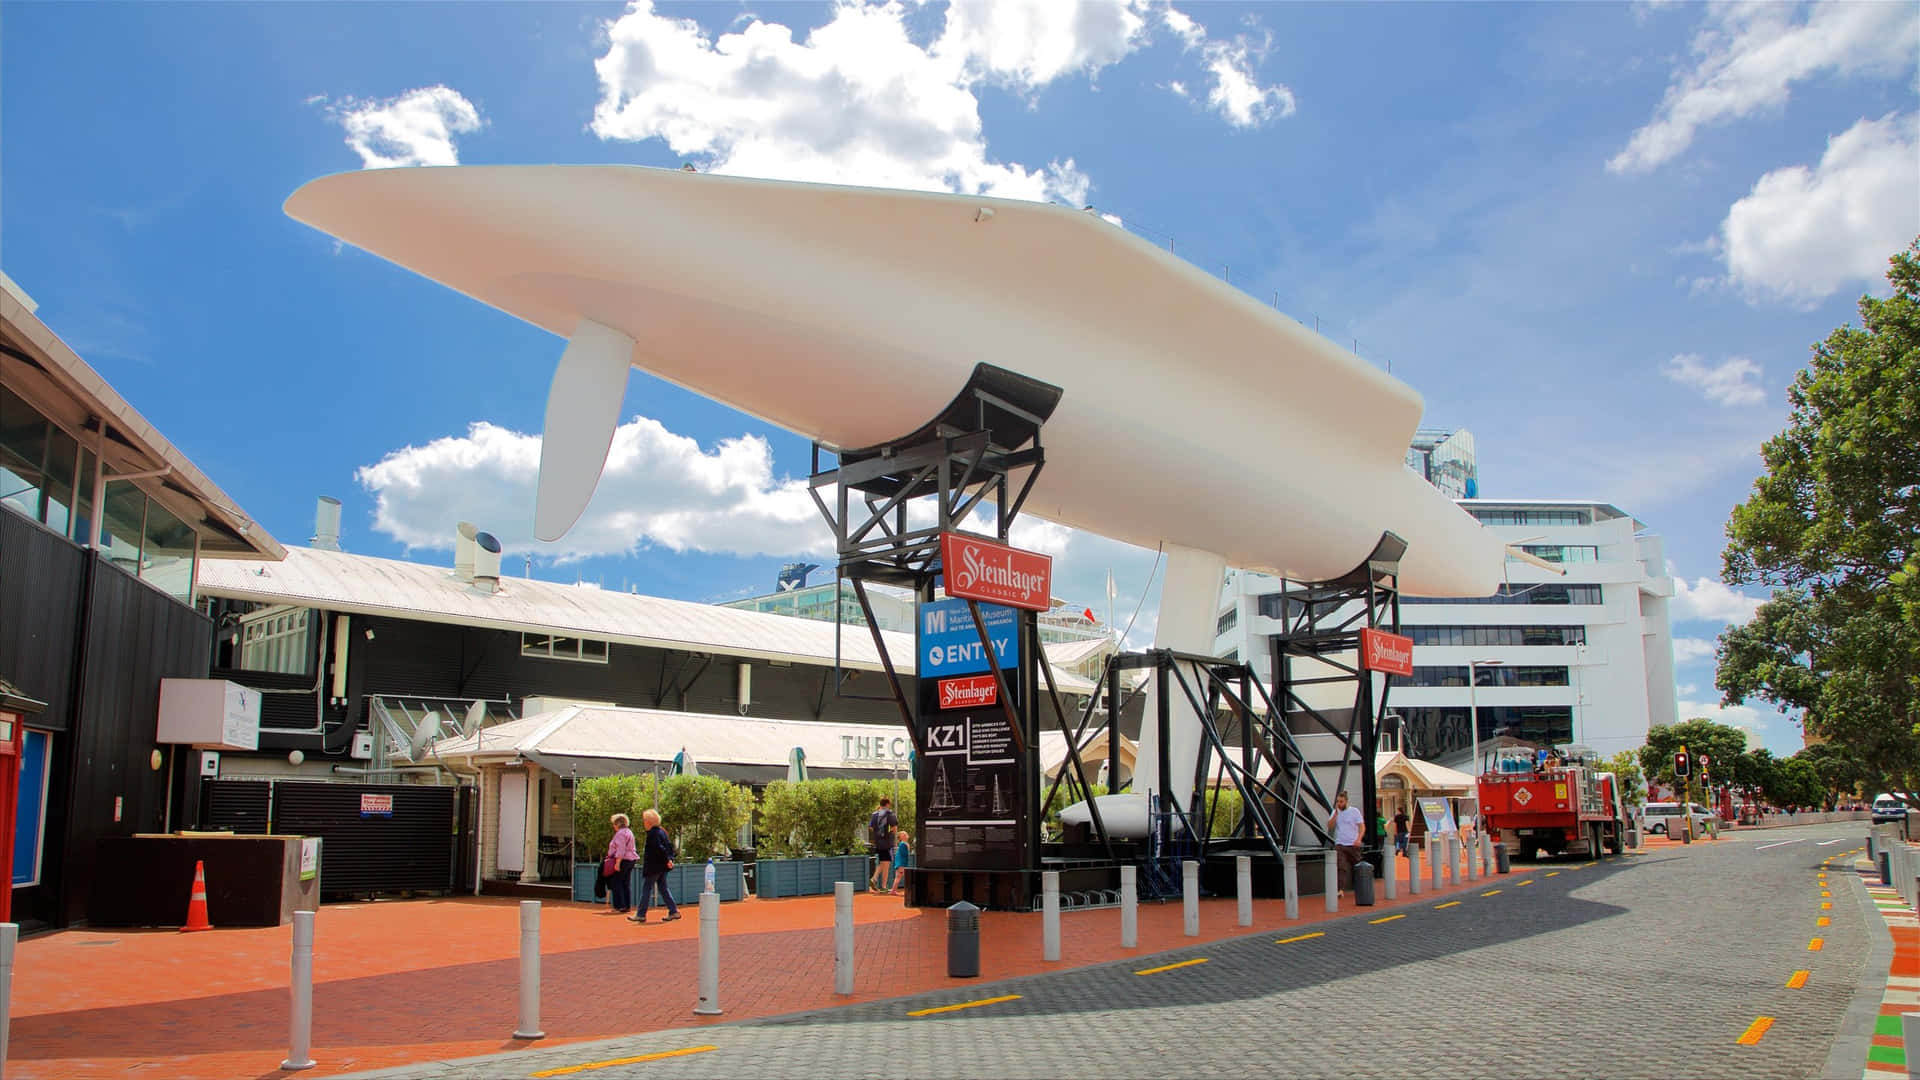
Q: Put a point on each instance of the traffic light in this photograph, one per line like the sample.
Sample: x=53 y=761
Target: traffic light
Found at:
x=1680 y=764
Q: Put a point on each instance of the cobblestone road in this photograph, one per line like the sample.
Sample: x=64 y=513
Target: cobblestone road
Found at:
x=1649 y=965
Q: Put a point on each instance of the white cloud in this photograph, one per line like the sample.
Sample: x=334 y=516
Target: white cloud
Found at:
x=1745 y=717
x=1236 y=93
x=1734 y=381
x=858 y=101
x=1707 y=600
x=1687 y=650
x=1803 y=234
x=416 y=128
x=1747 y=57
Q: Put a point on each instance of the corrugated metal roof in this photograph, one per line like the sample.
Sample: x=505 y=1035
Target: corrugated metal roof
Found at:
x=367 y=585
x=656 y=735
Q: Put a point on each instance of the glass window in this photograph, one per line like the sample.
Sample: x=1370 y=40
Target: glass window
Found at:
x=167 y=553
x=563 y=648
x=1227 y=620
x=276 y=639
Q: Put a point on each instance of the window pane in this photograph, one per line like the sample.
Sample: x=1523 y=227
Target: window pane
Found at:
x=167 y=555
x=125 y=521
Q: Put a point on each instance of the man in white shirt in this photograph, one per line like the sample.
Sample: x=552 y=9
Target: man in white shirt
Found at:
x=1345 y=826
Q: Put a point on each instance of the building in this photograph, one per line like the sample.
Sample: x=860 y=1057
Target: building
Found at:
x=893 y=609
x=104 y=525
x=1445 y=460
x=1583 y=656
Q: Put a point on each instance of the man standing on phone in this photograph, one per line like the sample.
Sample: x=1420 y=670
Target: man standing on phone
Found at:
x=1345 y=827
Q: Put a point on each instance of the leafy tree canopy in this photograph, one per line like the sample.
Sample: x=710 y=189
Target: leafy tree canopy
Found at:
x=1833 y=527
x=1722 y=744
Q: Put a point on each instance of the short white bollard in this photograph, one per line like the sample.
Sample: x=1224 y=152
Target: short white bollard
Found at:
x=1413 y=869
x=1190 y=897
x=529 y=972
x=1436 y=858
x=843 y=938
x=9 y=940
x=709 y=955
x=1447 y=861
x=1290 y=882
x=1331 y=866
x=1243 y=884
x=1129 y=907
x=1475 y=862
x=300 y=1038
x=1390 y=874
x=1050 y=915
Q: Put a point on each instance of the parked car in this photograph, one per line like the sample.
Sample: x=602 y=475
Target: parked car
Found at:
x=1659 y=815
x=1888 y=808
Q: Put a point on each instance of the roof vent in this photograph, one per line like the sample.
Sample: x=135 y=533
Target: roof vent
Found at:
x=326 y=524
x=486 y=561
x=463 y=550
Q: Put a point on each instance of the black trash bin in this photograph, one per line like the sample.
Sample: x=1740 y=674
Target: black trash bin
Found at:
x=1363 y=883
x=1886 y=867
x=963 y=941
x=1500 y=862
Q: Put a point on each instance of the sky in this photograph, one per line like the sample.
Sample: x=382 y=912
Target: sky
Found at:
x=1600 y=236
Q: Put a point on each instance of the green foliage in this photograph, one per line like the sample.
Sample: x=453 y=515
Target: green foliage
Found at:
x=1223 y=803
x=1722 y=744
x=824 y=817
x=703 y=814
x=596 y=800
x=1796 y=783
x=1632 y=783
x=1754 y=772
x=1840 y=771
x=1832 y=528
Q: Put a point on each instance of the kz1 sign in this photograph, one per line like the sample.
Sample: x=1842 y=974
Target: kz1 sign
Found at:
x=977 y=569
x=1381 y=651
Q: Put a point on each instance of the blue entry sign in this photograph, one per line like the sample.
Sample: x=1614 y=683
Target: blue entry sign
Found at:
x=949 y=643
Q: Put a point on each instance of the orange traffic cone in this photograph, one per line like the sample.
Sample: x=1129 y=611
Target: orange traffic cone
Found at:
x=197 y=904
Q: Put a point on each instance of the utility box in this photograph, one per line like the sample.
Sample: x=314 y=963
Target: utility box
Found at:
x=212 y=714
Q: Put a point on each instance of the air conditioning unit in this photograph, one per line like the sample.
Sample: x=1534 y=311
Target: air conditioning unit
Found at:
x=363 y=746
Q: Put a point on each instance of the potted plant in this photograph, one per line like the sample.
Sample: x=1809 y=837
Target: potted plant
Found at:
x=814 y=833
x=702 y=814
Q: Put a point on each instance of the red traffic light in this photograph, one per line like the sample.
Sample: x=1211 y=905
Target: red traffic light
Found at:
x=1680 y=764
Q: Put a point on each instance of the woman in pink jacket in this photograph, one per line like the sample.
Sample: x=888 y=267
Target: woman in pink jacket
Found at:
x=622 y=850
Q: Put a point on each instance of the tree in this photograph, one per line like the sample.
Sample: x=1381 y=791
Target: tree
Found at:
x=1831 y=528
x=1753 y=772
x=1796 y=783
x=1625 y=767
x=1721 y=743
x=1840 y=772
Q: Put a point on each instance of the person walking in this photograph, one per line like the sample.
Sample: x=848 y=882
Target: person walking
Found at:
x=1345 y=825
x=1400 y=832
x=622 y=853
x=902 y=861
x=654 y=864
x=881 y=827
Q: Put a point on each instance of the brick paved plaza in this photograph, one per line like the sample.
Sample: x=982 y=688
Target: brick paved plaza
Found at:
x=1655 y=964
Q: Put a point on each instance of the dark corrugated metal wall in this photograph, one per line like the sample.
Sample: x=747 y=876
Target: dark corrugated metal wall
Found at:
x=245 y=806
x=411 y=850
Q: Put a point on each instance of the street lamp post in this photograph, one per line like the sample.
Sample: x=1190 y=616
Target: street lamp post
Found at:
x=1473 y=705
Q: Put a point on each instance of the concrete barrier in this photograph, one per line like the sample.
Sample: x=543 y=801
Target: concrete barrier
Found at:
x=1290 y=882
x=843 y=938
x=1050 y=915
x=1129 y=907
x=1243 y=888
x=1190 y=897
x=1332 y=866
x=529 y=972
x=1413 y=869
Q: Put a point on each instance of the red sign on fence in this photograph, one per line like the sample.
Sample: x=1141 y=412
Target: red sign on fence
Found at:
x=376 y=805
x=975 y=692
x=979 y=569
x=1381 y=651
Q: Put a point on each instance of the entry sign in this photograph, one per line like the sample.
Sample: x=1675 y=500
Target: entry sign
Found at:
x=376 y=805
x=1381 y=651
x=977 y=569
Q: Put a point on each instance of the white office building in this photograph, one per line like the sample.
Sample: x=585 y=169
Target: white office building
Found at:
x=1580 y=657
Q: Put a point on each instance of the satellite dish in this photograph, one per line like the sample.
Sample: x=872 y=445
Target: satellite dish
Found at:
x=476 y=715
x=583 y=408
x=424 y=732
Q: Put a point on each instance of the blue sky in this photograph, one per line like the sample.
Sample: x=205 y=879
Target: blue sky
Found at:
x=1602 y=236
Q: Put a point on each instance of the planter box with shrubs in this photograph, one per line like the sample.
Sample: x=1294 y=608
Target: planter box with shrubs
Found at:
x=684 y=881
x=774 y=878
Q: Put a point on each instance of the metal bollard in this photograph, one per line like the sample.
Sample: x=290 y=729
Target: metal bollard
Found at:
x=300 y=1037
x=1050 y=914
x=1447 y=862
x=963 y=941
x=1391 y=861
x=1476 y=858
x=1436 y=858
x=1910 y=1031
x=1290 y=882
x=1190 y=897
x=1331 y=865
x=1243 y=884
x=9 y=941
x=709 y=1004
x=1413 y=868
x=1886 y=867
x=843 y=938
x=529 y=972
x=1129 y=907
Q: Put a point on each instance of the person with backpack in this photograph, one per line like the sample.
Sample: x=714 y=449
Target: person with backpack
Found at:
x=655 y=861
x=881 y=827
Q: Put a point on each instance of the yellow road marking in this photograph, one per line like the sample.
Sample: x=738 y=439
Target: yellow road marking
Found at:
x=571 y=1069
x=1823 y=921
x=1302 y=937
x=1529 y=881
x=1170 y=967
x=1798 y=980
x=1448 y=904
x=1754 y=1031
x=1824 y=892
x=1390 y=918
x=1826 y=905
x=965 y=1005
x=1491 y=892
x=1583 y=866
x=1816 y=944
x=1553 y=873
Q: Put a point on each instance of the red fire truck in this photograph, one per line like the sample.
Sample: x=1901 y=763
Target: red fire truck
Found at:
x=1557 y=806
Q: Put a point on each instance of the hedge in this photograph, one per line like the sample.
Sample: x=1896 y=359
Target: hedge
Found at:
x=702 y=813
x=825 y=817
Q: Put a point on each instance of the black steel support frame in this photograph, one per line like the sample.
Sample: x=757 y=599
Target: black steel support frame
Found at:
x=1322 y=622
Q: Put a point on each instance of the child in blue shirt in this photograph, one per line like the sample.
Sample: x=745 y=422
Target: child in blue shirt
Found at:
x=902 y=859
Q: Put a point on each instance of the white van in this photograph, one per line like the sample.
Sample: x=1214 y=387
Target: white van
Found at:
x=1888 y=808
x=1660 y=815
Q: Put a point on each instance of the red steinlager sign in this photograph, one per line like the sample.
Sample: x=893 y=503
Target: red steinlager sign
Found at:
x=1381 y=651
x=979 y=569
x=974 y=692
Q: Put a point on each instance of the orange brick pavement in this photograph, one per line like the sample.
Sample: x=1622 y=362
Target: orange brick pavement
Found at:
x=398 y=982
